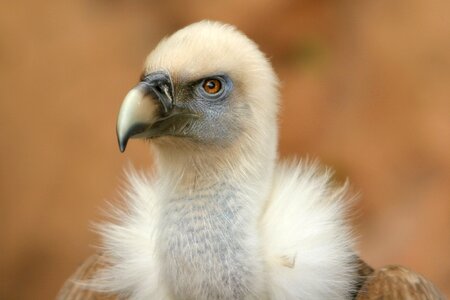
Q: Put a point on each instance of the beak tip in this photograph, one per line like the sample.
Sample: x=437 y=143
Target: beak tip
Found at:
x=122 y=144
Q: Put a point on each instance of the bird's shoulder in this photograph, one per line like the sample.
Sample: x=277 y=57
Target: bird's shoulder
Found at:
x=397 y=282
x=75 y=286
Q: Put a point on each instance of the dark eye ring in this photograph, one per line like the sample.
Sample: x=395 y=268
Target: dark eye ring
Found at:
x=212 y=86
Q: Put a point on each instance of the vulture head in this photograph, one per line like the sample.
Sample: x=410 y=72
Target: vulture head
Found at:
x=207 y=85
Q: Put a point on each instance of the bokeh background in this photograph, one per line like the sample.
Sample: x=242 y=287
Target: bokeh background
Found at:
x=365 y=88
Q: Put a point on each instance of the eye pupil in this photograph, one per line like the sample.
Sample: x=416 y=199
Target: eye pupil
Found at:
x=212 y=86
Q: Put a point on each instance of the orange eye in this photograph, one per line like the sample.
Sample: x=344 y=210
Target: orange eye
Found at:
x=212 y=86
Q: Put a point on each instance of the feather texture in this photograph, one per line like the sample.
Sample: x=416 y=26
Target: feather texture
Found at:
x=398 y=283
x=307 y=250
x=308 y=245
x=221 y=218
x=75 y=289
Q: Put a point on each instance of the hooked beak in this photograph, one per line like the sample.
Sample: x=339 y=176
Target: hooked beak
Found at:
x=143 y=106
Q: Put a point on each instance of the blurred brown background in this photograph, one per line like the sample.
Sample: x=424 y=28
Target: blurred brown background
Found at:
x=365 y=87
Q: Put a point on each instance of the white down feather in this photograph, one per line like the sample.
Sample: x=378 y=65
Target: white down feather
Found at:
x=307 y=246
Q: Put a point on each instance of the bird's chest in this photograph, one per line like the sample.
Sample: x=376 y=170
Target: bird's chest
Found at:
x=205 y=249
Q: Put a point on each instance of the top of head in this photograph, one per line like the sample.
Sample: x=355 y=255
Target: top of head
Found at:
x=206 y=48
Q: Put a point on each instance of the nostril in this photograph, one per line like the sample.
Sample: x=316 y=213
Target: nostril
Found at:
x=158 y=88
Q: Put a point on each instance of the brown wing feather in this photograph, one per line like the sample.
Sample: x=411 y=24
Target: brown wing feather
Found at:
x=364 y=271
x=388 y=283
x=395 y=283
x=72 y=290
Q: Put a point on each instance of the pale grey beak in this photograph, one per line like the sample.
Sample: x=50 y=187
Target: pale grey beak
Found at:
x=138 y=111
x=143 y=106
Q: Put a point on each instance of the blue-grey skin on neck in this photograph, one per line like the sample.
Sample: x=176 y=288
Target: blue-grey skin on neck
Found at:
x=201 y=242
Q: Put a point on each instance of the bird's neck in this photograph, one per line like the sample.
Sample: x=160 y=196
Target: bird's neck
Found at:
x=191 y=170
x=210 y=221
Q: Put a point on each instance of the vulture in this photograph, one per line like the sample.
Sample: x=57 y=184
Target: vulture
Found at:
x=220 y=217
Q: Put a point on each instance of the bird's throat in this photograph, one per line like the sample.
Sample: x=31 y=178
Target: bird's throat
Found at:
x=210 y=245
